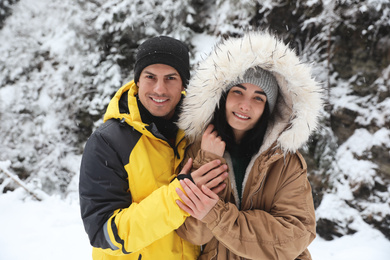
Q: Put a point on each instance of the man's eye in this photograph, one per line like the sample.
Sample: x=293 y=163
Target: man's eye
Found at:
x=171 y=78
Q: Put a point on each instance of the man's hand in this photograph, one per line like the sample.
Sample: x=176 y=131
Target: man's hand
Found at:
x=211 y=174
x=211 y=142
x=197 y=202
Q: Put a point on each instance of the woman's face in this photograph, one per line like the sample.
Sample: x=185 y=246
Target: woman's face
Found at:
x=245 y=105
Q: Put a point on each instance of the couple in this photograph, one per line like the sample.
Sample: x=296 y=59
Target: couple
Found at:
x=220 y=168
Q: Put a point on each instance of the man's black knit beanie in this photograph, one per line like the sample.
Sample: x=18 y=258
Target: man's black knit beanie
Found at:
x=163 y=50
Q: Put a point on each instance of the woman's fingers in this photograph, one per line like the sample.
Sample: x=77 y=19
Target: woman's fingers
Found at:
x=209 y=193
x=193 y=192
x=197 y=196
x=184 y=207
x=198 y=202
x=212 y=142
x=185 y=198
x=209 y=129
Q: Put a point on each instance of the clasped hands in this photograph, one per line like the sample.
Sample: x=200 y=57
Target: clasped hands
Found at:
x=201 y=195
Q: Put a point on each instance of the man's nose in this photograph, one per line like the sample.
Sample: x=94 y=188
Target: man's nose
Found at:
x=160 y=87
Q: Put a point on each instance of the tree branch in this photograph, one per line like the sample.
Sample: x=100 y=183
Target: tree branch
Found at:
x=16 y=179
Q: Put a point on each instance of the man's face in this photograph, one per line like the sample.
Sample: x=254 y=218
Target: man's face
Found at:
x=160 y=88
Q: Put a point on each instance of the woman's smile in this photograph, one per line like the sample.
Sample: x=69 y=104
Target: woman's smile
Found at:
x=241 y=116
x=244 y=106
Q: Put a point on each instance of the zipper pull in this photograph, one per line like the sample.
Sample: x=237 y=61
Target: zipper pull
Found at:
x=176 y=152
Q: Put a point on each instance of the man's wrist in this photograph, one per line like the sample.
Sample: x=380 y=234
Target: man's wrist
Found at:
x=185 y=176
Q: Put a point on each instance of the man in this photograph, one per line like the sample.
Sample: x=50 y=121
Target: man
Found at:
x=127 y=176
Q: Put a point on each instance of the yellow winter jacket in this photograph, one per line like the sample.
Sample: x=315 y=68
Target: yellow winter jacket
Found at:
x=127 y=187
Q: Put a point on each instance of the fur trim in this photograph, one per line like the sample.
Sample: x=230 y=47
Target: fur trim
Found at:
x=298 y=104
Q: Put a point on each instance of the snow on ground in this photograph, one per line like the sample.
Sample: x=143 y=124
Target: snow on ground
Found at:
x=52 y=229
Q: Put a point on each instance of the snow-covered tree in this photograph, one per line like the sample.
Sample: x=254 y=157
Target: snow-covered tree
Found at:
x=61 y=61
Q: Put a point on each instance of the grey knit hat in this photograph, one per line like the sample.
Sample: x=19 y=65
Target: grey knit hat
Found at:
x=263 y=79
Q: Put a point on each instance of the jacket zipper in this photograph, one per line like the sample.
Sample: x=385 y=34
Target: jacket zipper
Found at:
x=253 y=194
x=261 y=185
x=175 y=149
x=216 y=252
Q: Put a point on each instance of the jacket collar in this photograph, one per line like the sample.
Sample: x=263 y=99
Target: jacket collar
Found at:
x=125 y=106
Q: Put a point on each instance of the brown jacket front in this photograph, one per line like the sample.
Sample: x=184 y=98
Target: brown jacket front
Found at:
x=275 y=220
x=274 y=217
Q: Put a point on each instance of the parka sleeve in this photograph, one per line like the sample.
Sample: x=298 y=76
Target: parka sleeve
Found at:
x=283 y=233
x=193 y=230
x=112 y=221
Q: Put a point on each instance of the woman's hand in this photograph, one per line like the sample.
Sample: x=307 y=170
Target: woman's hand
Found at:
x=211 y=142
x=198 y=203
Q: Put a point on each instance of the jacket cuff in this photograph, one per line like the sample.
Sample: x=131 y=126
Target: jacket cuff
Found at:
x=213 y=218
x=185 y=176
x=204 y=157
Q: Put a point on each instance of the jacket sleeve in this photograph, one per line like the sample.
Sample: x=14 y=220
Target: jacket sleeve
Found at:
x=193 y=230
x=111 y=220
x=282 y=233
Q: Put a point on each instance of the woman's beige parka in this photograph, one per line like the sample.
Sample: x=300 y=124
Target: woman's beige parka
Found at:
x=274 y=218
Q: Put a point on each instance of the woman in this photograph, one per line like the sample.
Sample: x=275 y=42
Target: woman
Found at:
x=253 y=104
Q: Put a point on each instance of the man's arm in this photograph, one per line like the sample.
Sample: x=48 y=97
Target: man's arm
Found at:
x=112 y=221
x=103 y=188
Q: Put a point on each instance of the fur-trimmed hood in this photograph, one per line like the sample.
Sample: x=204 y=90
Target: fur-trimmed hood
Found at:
x=298 y=104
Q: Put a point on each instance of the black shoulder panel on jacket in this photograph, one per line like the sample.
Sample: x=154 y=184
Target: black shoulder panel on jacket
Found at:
x=103 y=183
x=121 y=137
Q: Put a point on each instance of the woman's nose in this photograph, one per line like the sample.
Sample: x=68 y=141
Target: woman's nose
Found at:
x=244 y=105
